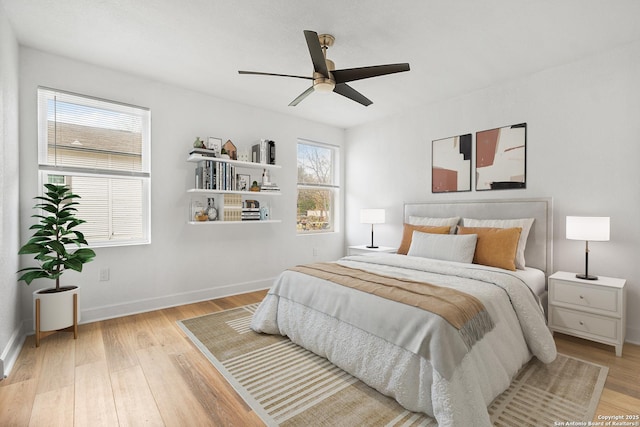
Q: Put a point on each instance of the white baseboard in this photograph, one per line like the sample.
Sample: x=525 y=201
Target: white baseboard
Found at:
x=149 y=304
x=633 y=336
x=12 y=350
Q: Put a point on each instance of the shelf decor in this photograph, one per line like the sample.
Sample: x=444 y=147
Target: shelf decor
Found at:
x=501 y=158
x=229 y=180
x=231 y=149
x=451 y=164
x=215 y=144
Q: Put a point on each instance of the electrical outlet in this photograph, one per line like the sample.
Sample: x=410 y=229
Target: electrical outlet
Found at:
x=315 y=251
x=104 y=274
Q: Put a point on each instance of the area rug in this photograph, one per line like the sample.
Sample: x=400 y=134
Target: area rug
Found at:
x=287 y=385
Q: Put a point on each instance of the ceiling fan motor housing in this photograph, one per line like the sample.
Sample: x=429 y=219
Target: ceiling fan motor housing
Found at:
x=320 y=82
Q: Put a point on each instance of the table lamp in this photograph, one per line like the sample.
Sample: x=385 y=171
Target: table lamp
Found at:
x=372 y=216
x=588 y=228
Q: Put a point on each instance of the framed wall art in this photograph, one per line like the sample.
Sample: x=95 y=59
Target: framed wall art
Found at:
x=215 y=144
x=501 y=156
x=451 y=164
x=243 y=182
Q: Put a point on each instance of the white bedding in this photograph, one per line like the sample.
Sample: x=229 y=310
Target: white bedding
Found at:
x=340 y=324
x=534 y=279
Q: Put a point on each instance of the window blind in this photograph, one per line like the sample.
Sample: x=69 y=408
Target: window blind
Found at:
x=101 y=149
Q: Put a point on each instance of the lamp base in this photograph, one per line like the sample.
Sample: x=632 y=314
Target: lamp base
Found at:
x=372 y=247
x=586 y=277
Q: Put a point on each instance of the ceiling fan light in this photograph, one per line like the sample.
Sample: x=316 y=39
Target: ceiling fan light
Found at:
x=324 y=87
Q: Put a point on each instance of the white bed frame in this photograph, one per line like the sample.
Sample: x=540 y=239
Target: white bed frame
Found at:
x=539 y=249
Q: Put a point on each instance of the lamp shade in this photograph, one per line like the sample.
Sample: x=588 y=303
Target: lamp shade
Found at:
x=372 y=216
x=589 y=228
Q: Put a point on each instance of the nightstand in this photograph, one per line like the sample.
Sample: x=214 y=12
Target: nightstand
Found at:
x=363 y=249
x=590 y=309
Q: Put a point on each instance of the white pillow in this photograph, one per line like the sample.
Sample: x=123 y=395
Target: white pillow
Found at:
x=524 y=223
x=452 y=222
x=446 y=247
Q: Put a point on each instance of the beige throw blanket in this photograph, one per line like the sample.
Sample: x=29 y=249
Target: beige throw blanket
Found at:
x=462 y=311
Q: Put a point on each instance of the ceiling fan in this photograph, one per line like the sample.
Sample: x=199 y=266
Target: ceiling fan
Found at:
x=327 y=79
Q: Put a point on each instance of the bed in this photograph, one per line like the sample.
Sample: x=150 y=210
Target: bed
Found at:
x=450 y=353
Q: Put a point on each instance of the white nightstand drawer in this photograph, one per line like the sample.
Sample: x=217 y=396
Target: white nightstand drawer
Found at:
x=582 y=295
x=590 y=324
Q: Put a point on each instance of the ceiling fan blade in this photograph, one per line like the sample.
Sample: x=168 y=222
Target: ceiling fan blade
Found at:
x=346 y=90
x=300 y=97
x=351 y=74
x=317 y=57
x=258 y=73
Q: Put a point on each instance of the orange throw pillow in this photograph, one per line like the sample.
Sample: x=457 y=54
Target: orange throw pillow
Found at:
x=496 y=247
x=407 y=234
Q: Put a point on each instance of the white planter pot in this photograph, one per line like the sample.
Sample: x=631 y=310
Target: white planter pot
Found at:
x=56 y=309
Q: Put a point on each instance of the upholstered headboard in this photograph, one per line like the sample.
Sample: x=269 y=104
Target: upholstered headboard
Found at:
x=539 y=249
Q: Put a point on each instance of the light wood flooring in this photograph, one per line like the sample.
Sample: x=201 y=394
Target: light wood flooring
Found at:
x=142 y=370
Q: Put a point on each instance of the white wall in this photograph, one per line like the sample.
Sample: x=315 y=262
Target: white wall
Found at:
x=583 y=149
x=10 y=337
x=183 y=263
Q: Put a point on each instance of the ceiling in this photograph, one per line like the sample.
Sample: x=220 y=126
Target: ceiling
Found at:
x=453 y=47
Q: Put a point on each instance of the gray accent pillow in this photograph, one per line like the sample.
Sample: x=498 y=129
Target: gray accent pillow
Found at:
x=445 y=247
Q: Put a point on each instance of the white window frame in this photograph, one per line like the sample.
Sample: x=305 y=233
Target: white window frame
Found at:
x=334 y=187
x=47 y=168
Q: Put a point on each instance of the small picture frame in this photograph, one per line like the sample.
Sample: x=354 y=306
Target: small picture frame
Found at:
x=243 y=182
x=215 y=144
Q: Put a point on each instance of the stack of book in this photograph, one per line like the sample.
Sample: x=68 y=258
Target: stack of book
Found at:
x=203 y=152
x=269 y=187
x=232 y=207
x=251 y=214
x=251 y=210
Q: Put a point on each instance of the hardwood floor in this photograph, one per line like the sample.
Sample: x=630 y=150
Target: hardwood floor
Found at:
x=143 y=370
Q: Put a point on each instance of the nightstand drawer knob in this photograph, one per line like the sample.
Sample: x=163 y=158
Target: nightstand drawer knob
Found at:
x=581 y=297
x=581 y=323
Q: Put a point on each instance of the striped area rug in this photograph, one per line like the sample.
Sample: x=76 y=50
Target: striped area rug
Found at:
x=287 y=385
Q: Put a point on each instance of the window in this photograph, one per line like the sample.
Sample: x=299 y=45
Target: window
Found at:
x=101 y=150
x=317 y=187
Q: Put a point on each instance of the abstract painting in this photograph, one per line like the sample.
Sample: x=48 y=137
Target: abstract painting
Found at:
x=451 y=164
x=501 y=158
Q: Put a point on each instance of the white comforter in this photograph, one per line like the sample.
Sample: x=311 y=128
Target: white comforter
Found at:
x=296 y=306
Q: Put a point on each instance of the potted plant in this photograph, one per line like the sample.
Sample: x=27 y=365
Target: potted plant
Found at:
x=52 y=243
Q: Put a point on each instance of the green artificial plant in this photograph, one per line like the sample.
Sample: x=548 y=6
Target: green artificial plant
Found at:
x=54 y=234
